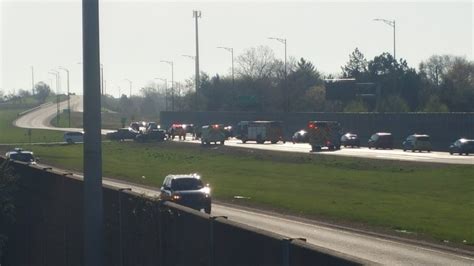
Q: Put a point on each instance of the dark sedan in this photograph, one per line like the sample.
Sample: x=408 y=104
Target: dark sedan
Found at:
x=300 y=136
x=462 y=146
x=187 y=190
x=350 y=140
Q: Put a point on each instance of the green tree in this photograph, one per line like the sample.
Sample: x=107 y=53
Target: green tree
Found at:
x=393 y=103
x=42 y=91
x=356 y=106
x=356 y=67
x=457 y=88
x=435 y=105
x=300 y=81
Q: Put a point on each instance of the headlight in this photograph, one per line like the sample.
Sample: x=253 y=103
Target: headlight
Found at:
x=175 y=197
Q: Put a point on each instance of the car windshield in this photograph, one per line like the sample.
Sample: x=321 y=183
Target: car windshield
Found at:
x=24 y=157
x=186 y=184
x=424 y=138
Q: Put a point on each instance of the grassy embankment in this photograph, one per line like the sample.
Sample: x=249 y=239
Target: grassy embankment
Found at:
x=11 y=134
x=430 y=200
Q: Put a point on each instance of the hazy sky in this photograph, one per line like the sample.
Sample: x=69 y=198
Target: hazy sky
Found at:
x=136 y=35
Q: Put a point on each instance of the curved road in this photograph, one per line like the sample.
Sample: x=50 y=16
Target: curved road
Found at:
x=365 y=246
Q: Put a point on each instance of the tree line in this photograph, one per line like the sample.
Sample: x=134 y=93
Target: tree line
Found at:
x=442 y=83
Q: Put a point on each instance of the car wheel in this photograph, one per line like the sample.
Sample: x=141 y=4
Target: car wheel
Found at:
x=412 y=150
x=451 y=152
x=467 y=153
x=274 y=141
x=404 y=149
x=244 y=141
x=69 y=141
x=208 y=209
x=222 y=142
x=460 y=153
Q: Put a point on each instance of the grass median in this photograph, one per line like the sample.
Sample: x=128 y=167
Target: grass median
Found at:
x=426 y=199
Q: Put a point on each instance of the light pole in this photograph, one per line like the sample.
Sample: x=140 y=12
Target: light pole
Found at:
x=68 y=95
x=166 y=92
x=58 y=82
x=231 y=50
x=197 y=15
x=391 y=23
x=130 y=87
x=172 y=82
x=283 y=41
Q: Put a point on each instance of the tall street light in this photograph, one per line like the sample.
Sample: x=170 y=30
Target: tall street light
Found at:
x=166 y=91
x=58 y=82
x=68 y=95
x=172 y=82
x=391 y=23
x=129 y=81
x=92 y=155
x=197 y=15
x=231 y=50
x=283 y=41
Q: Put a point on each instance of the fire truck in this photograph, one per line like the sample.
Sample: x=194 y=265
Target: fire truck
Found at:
x=260 y=131
x=324 y=134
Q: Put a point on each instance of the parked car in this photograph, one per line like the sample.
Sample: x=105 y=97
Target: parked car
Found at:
x=151 y=135
x=381 y=140
x=213 y=133
x=417 y=142
x=187 y=190
x=461 y=146
x=300 y=136
x=324 y=134
x=19 y=154
x=121 y=134
x=350 y=139
x=73 y=137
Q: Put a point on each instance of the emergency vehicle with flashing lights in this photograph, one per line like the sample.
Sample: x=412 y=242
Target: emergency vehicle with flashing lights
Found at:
x=324 y=134
x=260 y=131
x=213 y=133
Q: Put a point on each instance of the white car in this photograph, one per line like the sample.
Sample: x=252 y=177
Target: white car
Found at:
x=73 y=137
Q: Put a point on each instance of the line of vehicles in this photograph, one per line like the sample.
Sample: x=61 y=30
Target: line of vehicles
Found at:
x=320 y=135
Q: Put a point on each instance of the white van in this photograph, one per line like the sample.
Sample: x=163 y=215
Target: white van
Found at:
x=73 y=137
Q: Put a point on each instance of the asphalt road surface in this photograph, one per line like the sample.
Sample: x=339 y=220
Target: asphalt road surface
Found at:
x=40 y=118
x=399 y=155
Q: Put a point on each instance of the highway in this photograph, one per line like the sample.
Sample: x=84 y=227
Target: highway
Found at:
x=374 y=248
x=359 y=244
x=40 y=119
x=395 y=154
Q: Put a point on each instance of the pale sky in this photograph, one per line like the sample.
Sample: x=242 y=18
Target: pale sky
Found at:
x=136 y=35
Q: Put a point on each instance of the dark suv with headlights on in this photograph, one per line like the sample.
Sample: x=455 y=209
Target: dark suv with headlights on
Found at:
x=187 y=190
x=381 y=140
x=461 y=146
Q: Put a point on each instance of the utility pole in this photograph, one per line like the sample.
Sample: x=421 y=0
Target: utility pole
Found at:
x=93 y=205
x=172 y=82
x=197 y=15
x=68 y=95
x=283 y=41
x=231 y=50
x=392 y=24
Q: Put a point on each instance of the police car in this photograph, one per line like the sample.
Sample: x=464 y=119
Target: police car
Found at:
x=19 y=154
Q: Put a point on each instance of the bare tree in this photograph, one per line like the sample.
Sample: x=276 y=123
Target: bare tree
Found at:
x=257 y=63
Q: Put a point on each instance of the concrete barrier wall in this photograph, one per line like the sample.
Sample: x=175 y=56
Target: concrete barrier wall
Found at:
x=138 y=230
x=444 y=128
